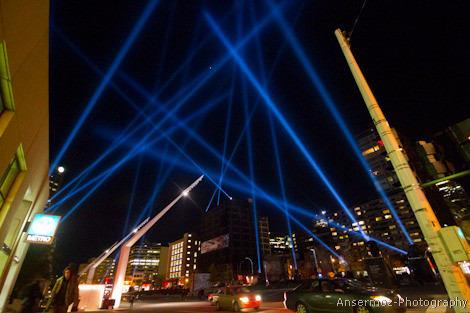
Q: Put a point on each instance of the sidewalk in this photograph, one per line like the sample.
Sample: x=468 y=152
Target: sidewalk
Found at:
x=427 y=294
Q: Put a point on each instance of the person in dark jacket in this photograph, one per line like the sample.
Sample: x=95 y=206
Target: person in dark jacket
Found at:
x=31 y=295
x=64 y=293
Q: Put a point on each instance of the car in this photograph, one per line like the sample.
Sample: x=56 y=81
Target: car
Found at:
x=236 y=298
x=342 y=295
x=212 y=294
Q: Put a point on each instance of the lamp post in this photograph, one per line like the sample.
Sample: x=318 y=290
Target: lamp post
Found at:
x=247 y=258
x=240 y=267
x=315 y=257
x=333 y=263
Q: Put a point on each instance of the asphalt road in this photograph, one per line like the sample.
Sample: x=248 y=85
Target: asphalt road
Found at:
x=272 y=303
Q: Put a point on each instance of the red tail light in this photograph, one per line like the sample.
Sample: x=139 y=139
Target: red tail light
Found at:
x=285 y=296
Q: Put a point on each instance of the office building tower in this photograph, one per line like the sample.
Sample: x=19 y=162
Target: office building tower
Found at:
x=182 y=259
x=24 y=129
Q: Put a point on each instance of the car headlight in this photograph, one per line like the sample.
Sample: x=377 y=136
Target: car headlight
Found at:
x=244 y=300
x=258 y=298
x=400 y=299
x=381 y=299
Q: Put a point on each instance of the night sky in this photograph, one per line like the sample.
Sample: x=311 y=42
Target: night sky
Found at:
x=415 y=56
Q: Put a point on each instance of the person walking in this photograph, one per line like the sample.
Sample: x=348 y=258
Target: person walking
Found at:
x=64 y=293
x=131 y=301
x=31 y=295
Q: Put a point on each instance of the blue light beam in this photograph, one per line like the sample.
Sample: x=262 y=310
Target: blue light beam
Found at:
x=281 y=118
x=114 y=66
x=316 y=81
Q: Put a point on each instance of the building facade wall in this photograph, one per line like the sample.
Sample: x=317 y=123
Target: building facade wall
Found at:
x=24 y=126
x=233 y=218
x=182 y=259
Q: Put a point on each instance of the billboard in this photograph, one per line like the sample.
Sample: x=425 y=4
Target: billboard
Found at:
x=215 y=244
x=42 y=229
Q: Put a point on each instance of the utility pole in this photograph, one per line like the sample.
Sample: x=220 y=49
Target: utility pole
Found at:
x=452 y=276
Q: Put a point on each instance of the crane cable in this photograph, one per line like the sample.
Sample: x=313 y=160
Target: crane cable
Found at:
x=357 y=19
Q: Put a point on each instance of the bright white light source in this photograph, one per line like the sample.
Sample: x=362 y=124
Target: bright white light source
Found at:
x=323 y=212
x=231 y=198
x=135 y=230
x=60 y=169
x=185 y=193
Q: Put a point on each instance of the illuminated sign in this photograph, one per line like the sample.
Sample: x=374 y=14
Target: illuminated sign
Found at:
x=215 y=244
x=42 y=229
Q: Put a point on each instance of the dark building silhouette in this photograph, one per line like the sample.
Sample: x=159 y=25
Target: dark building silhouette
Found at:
x=228 y=238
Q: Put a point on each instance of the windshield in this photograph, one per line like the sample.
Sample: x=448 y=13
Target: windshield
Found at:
x=238 y=290
x=349 y=284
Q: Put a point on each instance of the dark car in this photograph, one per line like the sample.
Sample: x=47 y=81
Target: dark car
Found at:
x=342 y=295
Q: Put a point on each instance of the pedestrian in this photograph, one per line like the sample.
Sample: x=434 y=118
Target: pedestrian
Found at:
x=31 y=295
x=64 y=293
x=131 y=301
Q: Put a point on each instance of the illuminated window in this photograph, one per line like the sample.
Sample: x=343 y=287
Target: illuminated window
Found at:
x=361 y=222
x=360 y=243
x=359 y=213
x=8 y=178
x=386 y=211
x=332 y=228
x=392 y=226
x=341 y=237
x=337 y=247
x=357 y=208
x=354 y=224
x=334 y=233
x=336 y=214
x=387 y=216
x=356 y=228
x=410 y=223
x=6 y=93
x=371 y=150
x=414 y=234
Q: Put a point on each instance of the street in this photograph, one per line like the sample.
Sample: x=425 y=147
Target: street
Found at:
x=272 y=302
x=204 y=306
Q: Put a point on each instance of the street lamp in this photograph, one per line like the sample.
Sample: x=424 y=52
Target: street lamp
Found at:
x=333 y=263
x=315 y=257
x=247 y=258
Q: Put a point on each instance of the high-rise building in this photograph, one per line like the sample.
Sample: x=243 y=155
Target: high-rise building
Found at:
x=280 y=244
x=147 y=264
x=55 y=180
x=374 y=152
x=454 y=145
x=263 y=230
x=106 y=269
x=24 y=129
x=182 y=259
x=228 y=238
